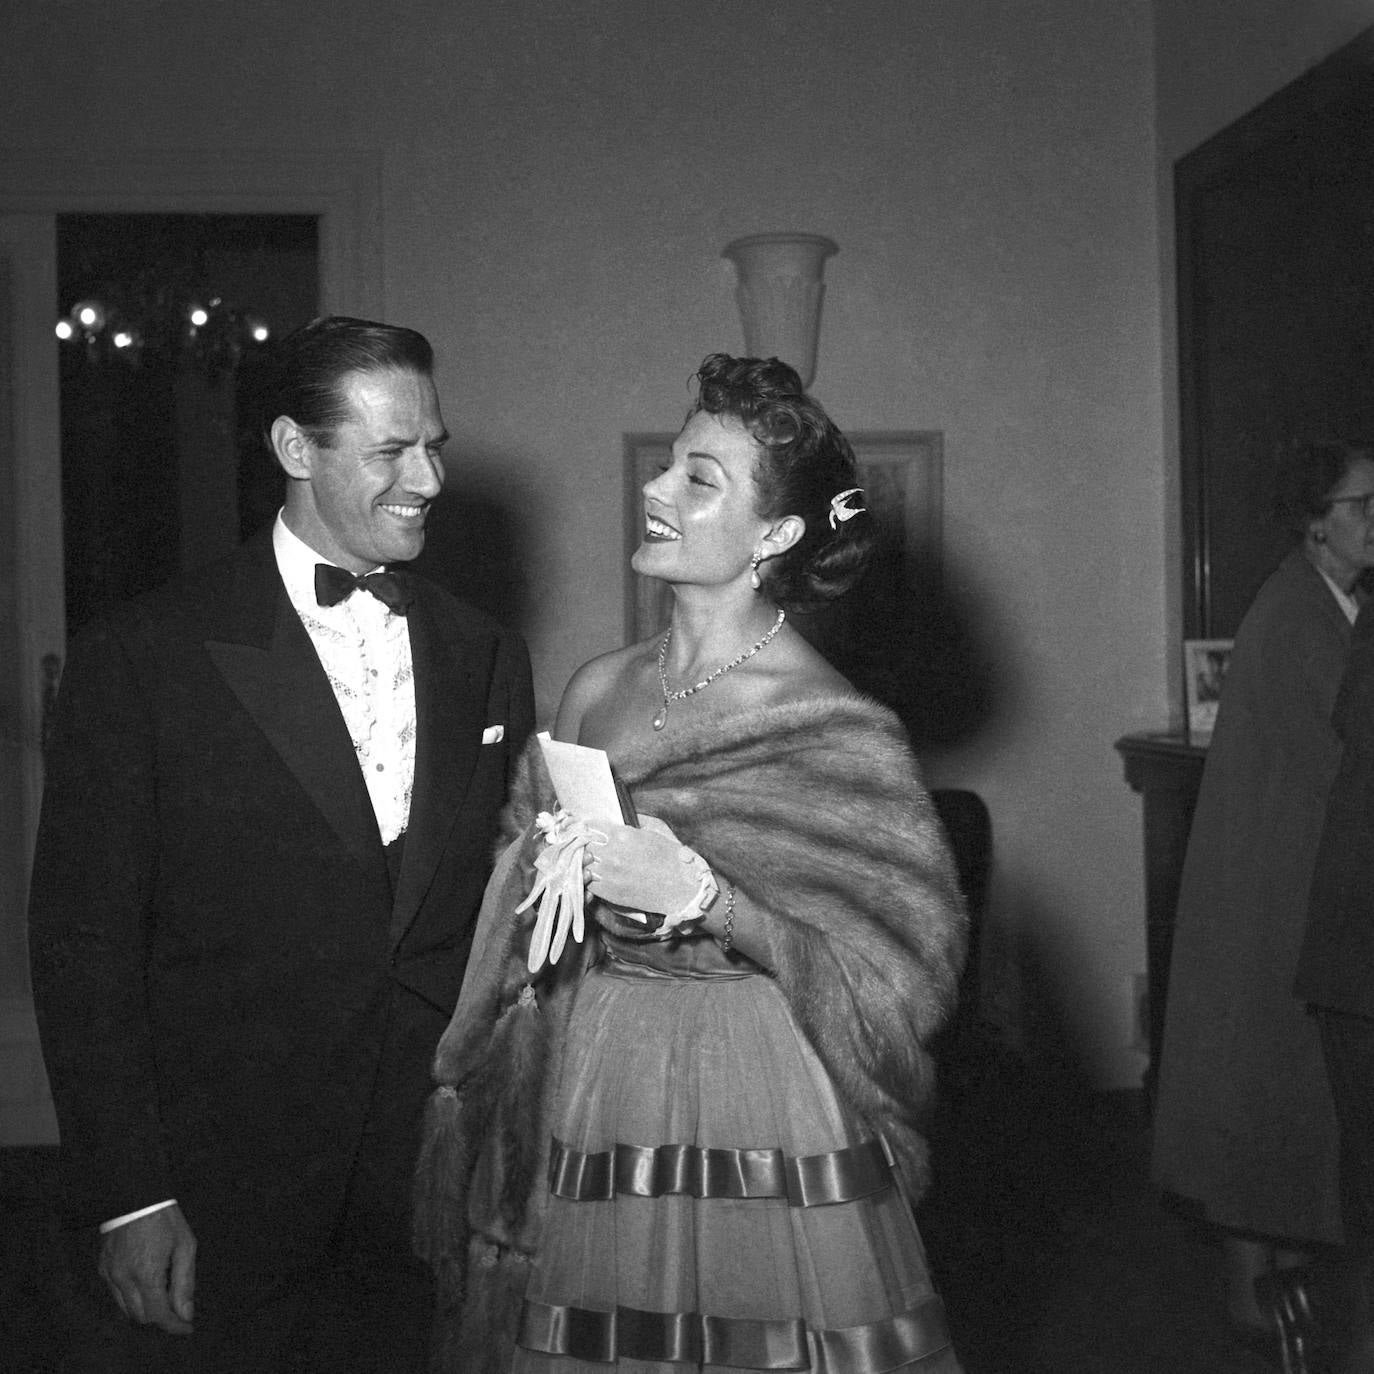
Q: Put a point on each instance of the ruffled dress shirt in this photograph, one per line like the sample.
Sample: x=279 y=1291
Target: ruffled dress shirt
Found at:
x=364 y=649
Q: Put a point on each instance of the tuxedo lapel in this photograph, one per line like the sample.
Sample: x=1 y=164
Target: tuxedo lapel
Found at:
x=449 y=717
x=271 y=666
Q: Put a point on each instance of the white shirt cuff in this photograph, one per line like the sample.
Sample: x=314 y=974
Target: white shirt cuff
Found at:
x=134 y=1216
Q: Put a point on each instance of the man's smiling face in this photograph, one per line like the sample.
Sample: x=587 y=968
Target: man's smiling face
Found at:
x=368 y=491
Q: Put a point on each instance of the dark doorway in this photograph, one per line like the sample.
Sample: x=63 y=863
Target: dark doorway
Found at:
x=1275 y=223
x=166 y=317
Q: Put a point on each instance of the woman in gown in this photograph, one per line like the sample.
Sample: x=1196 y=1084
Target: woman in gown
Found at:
x=692 y=1142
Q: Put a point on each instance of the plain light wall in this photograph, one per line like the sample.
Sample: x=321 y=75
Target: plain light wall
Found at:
x=559 y=180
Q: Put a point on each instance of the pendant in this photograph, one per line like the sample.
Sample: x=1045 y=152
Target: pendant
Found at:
x=661 y=719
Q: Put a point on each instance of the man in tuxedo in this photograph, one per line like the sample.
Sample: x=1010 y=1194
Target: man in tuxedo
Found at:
x=271 y=796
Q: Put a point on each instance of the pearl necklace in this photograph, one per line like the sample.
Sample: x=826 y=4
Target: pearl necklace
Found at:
x=661 y=718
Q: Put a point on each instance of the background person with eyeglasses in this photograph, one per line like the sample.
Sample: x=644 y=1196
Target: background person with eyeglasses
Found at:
x=1336 y=966
x=1244 y=1126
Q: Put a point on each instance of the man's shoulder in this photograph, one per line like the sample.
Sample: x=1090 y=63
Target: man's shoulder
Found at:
x=463 y=615
x=1293 y=615
x=242 y=572
x=247 y=573
x=1295 y=586
x=193 y=603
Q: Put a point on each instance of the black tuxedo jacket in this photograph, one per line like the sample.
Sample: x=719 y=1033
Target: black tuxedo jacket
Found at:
x=214 y=931
x=1336 y=964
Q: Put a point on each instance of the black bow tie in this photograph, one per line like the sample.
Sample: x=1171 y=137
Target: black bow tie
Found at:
x=392 y=589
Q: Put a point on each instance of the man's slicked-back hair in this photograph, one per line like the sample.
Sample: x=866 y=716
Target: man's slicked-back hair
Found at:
x=307 y=367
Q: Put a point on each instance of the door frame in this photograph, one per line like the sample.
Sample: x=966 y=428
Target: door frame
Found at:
x=343 y=190
x=1302 y=120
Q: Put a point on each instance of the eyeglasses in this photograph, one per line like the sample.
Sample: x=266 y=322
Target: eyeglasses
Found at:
x=1364 y=503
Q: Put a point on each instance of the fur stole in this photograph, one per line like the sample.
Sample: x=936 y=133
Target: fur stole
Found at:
x=816 y=813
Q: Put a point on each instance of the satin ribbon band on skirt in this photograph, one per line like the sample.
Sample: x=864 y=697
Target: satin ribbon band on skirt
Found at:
x=693 y=1339
x=658 y=1170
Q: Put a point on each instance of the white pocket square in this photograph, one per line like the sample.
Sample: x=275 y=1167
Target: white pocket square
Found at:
x=493 y=734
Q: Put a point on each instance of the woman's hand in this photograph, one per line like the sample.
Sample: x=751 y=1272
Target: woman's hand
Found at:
x=560 y=880
x=647 y=868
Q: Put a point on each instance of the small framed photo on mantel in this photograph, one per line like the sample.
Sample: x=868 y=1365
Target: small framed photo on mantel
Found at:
x=1204 y=668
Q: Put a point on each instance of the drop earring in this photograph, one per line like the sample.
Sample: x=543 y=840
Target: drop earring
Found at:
x=755 y=581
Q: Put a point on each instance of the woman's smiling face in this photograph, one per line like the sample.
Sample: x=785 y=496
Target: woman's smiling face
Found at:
x=701 y=522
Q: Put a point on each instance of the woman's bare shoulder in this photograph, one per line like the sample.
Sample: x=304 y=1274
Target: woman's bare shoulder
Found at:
x=593 y=683
x=800 y=673
x=813 y=671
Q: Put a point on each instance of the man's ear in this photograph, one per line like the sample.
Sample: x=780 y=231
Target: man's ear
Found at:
x=782 y=536
x=292 y=446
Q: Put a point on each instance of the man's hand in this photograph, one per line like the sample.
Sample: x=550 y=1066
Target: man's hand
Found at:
x=150 y=1267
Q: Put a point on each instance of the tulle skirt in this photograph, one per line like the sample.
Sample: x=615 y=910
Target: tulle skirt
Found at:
x=714 y=1205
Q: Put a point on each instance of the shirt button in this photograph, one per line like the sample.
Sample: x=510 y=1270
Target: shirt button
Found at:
x=381 y=768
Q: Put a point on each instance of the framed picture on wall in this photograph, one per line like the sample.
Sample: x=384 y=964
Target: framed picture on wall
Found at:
x=901 y=473
x=1204 y=667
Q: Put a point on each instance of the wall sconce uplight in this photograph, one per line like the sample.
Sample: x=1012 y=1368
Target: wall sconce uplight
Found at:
x=779 y=294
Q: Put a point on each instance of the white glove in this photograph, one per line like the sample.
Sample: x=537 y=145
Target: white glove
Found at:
x=558 y=888
x=647 y=868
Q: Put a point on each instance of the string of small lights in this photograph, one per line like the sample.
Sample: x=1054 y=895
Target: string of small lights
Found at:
x=205 y=329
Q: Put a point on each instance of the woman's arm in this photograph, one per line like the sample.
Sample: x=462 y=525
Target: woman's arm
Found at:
x=733 y=922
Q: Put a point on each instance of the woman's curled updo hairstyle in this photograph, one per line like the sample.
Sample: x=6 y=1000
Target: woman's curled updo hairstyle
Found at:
x=804 y=461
